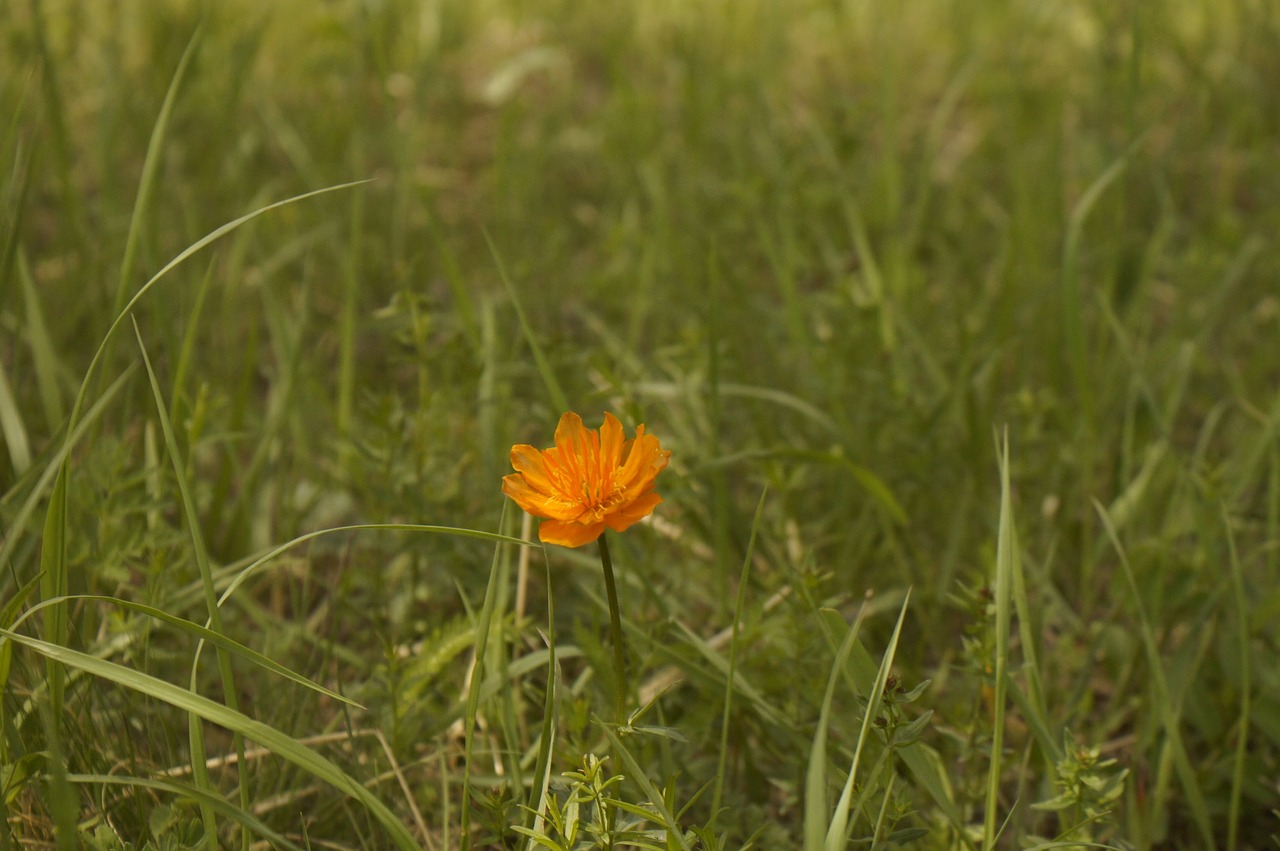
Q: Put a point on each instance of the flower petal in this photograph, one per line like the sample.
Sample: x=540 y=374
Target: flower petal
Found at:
x=632 y=513
x=515 y=486
x=645 y=460
x=531 y=464
x=568 y=534
x=572 y=441
x=537 y=503
x=612 y=443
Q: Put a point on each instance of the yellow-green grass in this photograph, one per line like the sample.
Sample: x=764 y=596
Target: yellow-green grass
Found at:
x=980 y=297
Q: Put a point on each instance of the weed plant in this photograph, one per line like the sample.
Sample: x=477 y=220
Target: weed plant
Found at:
x=958 y=318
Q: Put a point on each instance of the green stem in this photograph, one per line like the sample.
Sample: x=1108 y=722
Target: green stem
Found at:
x=615 y=627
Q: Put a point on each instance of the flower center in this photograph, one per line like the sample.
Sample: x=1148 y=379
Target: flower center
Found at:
x=595 y=496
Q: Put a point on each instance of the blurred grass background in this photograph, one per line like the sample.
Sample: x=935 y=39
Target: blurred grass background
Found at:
x=831 y=248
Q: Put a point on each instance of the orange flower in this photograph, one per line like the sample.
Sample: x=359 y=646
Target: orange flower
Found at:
x=588 y=481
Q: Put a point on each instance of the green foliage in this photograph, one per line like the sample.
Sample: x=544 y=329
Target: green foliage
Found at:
x=586 y=813
x=822 y=249
x=1089 y=787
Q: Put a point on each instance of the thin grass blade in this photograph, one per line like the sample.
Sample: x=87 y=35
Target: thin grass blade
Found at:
x=635 y=773
x=1006 y=554
x=184 y=791
x=1172 y=725
x=738 y=607
x=550 y=721
x=13 y=428
x=1246 y=688
x=150 y=168
x=191 y=250
x=817 y=818
x=279 y=743
x=203 y=564
x=484 y=628
x=837 y=834
x=559 y=401
x=44 y=358
x=195 y=630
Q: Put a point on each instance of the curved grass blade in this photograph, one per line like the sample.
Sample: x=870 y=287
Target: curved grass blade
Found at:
x=837 y=837
x=191 y=250
x=1163 y=698
x=550 y=722
x=196 y=630
x=1072 y=296
x=53 y=470
x=484 y=627
x=816 y=818
x=1246 y=688
x=549 y=380
x=1003 y=586
x=924 y=763
x=716 y=796
x=279 y=743
x=185 y=790
x=150 y=166
x=635 y=773
x=54 y=564
x=250 y=569
x=13 y=428
x=225 y=671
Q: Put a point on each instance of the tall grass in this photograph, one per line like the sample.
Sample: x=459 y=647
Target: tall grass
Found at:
x=823 y=250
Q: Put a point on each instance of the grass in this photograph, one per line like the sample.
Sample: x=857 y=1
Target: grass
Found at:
x=979 y=297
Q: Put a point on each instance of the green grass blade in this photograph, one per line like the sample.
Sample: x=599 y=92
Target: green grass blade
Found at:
x=253 y=567
x=1246 y=687
x=635 y=773
x=1169 y=718
x=63 y=801
x=559 y=401
x=150 y=168
x=1036 y=720
x=718 y=482
x=817 y=818
x=484 y=628
x=279 y=743
x=196 y=631
x=19 y=183
x=1006 y=555
x=348 y=325
x=188 y=252
x=924 y=764
x=8 y=612
x=837 y=835
x=53 y=470
x=43 y=357
x=183 y=364
x=1073 y=306
x=550 y=721
x=53 y=558
x=759 y=701
x=186 y=791
x=1032 y=704
x=879 y=828
x=13 y=428
x=459 y=285
x=55 y=113
x=717 y=794
x=54 y=581
x=225 y=671
x=1248 y=461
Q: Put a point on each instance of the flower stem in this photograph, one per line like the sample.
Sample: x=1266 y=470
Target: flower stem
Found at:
x=615 y=627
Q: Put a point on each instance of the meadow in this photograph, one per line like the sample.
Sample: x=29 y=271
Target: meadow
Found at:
x=959 y=321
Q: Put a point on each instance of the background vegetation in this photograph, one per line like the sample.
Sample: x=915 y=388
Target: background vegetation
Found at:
x=831 y=253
